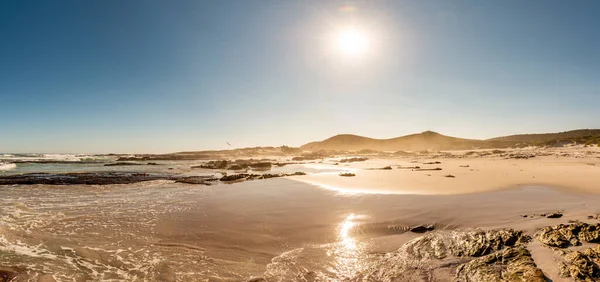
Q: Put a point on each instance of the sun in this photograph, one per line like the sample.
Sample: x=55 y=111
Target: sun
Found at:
x=352 y=41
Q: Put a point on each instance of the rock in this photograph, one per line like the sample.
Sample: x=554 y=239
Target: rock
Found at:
x=554 y=215
x=213 y=165
x=386 y=167
x=193 y=180
x=553 y=238
x=436 y=162
x=581 y=267
x=463 y=166
x=510 y=264
x=351 y=160
x=564 y=234
x=262 y=165
x=347 y=174
x=84 y=178
x=151 y=164
x=421 y=228
x=409 y=167
x=418 y=229
x=121 y=164
x=235 y=177
x=474 y=256
x=237 y=167
x=450 y=176
x=427 y=169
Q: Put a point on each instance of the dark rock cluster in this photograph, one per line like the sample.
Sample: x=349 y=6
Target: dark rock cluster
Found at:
x=248 y=176
x=352 y=160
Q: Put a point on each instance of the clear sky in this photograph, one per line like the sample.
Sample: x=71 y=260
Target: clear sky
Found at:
x=161 y=76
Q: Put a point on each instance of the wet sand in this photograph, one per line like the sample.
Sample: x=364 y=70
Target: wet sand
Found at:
x=278 y=229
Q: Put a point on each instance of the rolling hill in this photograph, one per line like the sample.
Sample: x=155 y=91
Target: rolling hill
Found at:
x=430 y=140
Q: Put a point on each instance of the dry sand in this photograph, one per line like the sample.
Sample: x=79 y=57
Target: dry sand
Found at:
x=574 y=168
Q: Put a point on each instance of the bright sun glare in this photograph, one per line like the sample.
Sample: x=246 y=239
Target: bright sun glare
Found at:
x=352 y=41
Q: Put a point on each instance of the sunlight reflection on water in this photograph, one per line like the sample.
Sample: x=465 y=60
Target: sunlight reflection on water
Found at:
x=349 y=254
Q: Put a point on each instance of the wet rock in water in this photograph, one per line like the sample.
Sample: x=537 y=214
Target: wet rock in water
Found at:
x=450 y=176
x=563 y=235
x=237 y=167
x=427 y=169
x=510 y=264
x=151 y=164
x=248 y=176
x=463 y=166
x=554 y=215
x=347 y=174
x=409 y=167
x=352 y=160
x=236 y=177
x=213 y=165
x=421 y=228
x=121 y=164
x=83 y=178
x=194 y=180
x=386 y=167
x=436 y=162
x=262 y=165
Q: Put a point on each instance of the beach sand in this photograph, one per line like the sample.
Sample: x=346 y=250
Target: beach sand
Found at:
x=318 y=227
x=578 y=169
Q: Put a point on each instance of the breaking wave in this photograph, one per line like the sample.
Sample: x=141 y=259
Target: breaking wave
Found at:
x=7 y=166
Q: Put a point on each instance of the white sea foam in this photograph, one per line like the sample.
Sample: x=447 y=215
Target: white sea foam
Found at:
x=7 y=166
x=50 y=157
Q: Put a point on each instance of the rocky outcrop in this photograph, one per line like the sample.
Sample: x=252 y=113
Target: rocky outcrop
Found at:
x=213 y=165
x=581 y=266
x=564 y=235
x=477 y=255
x=510 y=264
x=352 y=160
x=248 y=176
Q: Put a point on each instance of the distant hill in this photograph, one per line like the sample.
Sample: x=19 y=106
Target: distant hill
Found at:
x=549 y=136
x=430 y=140
x=427 y=140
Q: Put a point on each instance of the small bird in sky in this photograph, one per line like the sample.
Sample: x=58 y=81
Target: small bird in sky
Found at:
x=228 y=144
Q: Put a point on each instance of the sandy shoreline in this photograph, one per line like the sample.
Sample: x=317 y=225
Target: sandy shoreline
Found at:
x=470 y=175
x=291 y=229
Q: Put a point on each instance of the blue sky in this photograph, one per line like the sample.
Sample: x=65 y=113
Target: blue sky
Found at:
x=157 y=76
